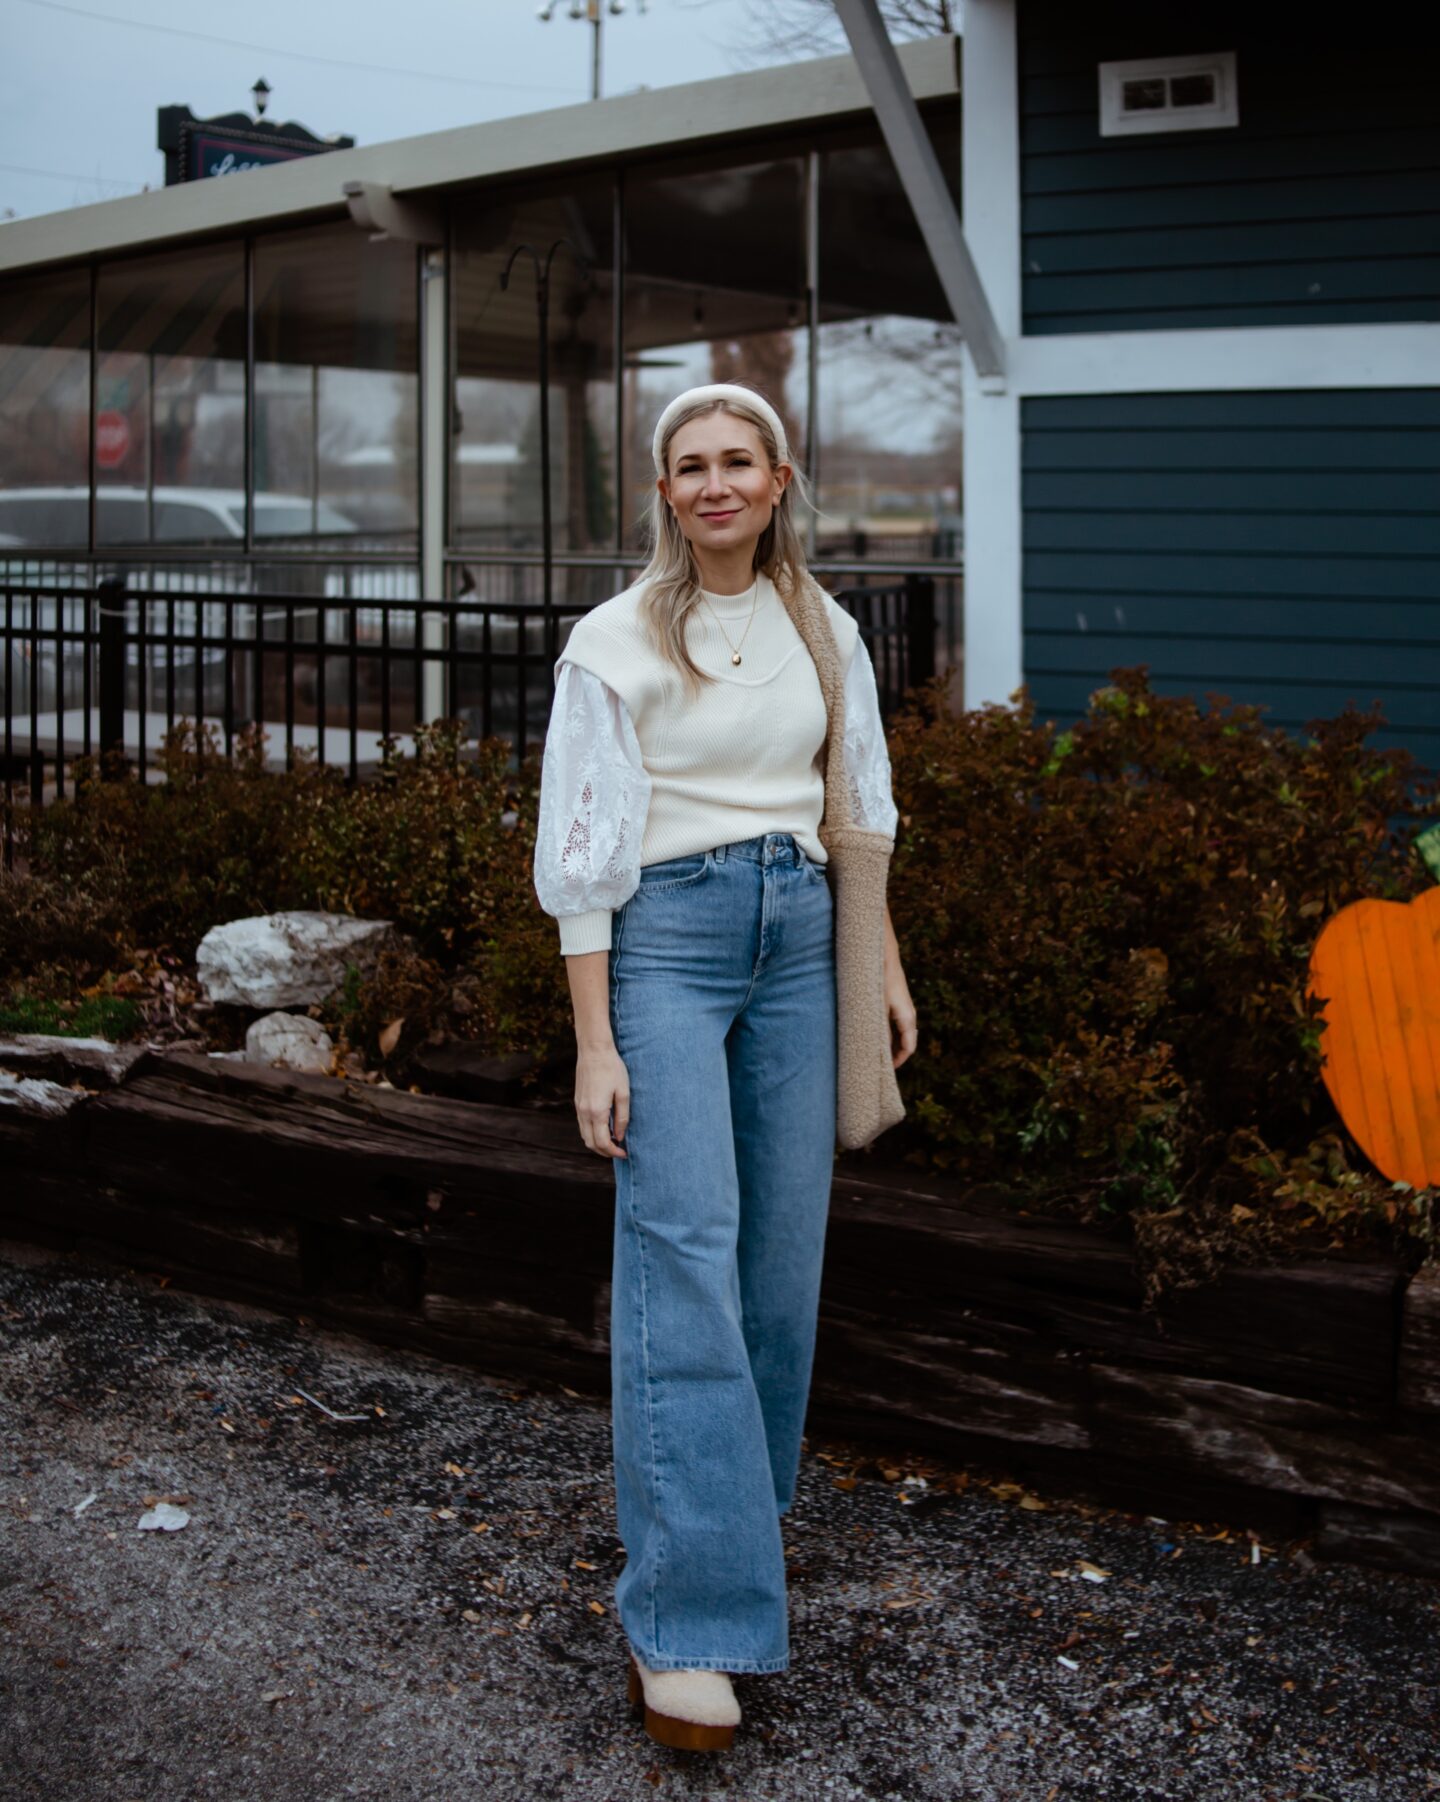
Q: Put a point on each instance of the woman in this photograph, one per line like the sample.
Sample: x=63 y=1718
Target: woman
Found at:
x=681 y=793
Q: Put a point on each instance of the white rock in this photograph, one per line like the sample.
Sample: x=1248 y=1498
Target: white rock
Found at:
x=294 y=1041
x=285 y=959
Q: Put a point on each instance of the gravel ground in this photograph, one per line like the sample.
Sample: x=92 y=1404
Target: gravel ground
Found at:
x=418 y=1604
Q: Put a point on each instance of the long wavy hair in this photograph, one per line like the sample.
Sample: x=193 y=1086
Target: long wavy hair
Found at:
x=672 y=576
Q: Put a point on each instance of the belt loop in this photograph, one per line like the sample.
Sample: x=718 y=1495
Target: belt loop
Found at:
x=720 y=851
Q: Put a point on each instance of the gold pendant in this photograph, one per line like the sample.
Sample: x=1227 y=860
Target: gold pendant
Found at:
x=734 y=656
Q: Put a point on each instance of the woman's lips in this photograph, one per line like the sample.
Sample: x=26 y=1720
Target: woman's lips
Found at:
x=729 y=513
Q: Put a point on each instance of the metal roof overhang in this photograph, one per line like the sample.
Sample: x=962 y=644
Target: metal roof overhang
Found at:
x=762 y=102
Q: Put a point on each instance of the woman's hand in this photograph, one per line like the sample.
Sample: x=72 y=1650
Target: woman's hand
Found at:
x=904 y=1032
x=602 y=1083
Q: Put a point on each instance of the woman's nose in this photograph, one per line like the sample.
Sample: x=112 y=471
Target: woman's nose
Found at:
x=715 y=482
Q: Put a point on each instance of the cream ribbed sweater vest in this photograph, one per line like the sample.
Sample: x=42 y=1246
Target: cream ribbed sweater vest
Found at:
x=744 y=756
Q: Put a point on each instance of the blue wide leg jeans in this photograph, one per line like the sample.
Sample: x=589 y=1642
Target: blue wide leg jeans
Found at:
x=722 y=1003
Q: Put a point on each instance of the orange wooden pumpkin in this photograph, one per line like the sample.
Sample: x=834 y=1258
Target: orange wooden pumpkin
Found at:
x=1378 y=965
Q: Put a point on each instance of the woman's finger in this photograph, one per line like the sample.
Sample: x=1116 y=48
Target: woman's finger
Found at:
x=596 y=1129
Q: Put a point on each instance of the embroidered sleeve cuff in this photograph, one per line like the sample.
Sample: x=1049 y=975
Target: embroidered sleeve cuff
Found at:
x=585 y=932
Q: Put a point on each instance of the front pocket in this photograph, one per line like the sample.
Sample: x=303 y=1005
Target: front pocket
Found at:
x=675 y=872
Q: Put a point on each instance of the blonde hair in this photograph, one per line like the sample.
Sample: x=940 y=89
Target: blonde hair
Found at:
x=672 y=576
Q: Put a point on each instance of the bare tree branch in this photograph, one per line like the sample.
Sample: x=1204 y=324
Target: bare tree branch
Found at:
x=794 y=29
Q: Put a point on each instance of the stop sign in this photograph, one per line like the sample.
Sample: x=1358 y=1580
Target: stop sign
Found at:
x=112 y=439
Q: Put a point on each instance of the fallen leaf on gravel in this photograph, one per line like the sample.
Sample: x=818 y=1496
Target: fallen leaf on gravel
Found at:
x=276 y=1695
x=390 y=1036
x=456 y=1470
x=1033 y=1504
x=585 y=1564
x=596 y=1607
x=470 y=1614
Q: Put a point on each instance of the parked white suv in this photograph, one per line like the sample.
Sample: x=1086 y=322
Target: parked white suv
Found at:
x=59 y=517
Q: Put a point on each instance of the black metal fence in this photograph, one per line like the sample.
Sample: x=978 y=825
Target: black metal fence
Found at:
x=87 y=669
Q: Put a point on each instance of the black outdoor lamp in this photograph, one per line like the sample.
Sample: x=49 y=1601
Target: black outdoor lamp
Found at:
x=261 y=92
x=542 y=304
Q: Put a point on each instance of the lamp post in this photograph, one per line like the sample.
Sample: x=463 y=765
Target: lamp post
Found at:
x=542 y=307
x=593 y=12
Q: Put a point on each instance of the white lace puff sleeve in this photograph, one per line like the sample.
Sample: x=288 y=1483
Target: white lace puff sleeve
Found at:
x=594 y=796
x=867 y=760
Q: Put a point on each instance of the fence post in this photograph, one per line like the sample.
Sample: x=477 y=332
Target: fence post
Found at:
x=919 y=629
x=111 y=604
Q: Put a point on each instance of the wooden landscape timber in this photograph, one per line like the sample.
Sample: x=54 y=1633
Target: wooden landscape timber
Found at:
x=1303 y=1395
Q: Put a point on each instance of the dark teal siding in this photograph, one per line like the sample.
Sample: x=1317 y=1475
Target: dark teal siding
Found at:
x=1322 y=205
x=1282 y=548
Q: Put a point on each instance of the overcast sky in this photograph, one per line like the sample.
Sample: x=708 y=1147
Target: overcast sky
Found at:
x=80 y=83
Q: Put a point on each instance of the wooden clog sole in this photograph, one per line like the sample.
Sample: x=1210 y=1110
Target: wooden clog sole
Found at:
x=670 y=1730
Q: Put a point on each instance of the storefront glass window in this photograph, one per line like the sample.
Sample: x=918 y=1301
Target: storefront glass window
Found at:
x=44 y=412
x=496 y=498
x=336 y=389
x=170 y=400
x=889 y=388
x=714 y=291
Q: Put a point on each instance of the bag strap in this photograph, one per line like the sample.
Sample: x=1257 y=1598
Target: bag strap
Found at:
x=805 y=600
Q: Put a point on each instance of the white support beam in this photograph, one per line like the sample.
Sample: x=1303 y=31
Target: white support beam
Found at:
x=1398 y=354
x=924 y=182
x=990 y=195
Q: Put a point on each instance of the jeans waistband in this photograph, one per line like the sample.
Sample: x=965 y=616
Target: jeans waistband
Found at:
x=765 y=848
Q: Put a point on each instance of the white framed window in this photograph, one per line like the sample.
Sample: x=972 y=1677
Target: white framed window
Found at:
x=1168 y=93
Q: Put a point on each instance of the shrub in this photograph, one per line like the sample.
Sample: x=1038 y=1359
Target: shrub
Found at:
x=440 y=842
x=1107 y=932
x=66 y=927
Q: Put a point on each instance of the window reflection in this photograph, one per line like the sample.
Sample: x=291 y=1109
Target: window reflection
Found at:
x=45 y=411
x=714 y=291
x=336 y=388
x=170 y=399
x=889 y=400
x=497 y=495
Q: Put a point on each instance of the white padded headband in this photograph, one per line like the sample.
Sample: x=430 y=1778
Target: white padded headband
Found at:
x=728 y=391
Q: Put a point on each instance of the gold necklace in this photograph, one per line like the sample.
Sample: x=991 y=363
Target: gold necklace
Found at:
x=735 y=648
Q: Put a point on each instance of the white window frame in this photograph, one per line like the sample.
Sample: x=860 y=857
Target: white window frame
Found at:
x=1115 y=122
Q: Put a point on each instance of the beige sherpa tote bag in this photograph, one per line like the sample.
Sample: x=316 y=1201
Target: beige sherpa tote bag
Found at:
x=868 y=1099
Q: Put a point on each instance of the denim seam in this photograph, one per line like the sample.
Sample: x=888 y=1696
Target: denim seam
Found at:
x=644 y=1337
x=740 y=1666
x=760 y=948
x=674 y=882
x=650 y=1424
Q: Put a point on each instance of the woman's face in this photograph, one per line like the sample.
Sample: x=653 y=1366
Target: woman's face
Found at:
x=721 y=487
